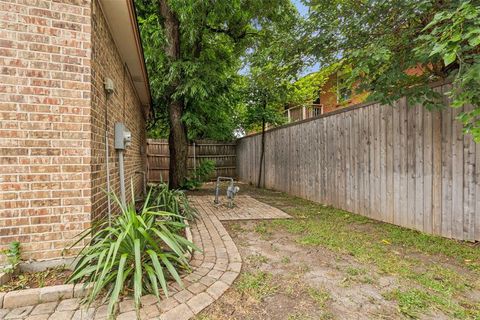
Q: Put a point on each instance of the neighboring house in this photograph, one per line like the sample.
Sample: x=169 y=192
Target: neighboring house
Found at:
x=57 y=118
x=330 y=98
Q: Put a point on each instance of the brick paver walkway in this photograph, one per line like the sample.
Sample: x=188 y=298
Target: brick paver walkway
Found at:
x=214 y=271
x=245 y=208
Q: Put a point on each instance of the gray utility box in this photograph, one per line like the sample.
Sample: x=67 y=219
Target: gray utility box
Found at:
x=123 y=137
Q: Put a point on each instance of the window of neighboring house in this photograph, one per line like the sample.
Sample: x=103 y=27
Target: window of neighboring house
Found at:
x=343 y=92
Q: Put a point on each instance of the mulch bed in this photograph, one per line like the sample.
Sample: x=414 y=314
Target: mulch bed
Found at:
x=27 y=280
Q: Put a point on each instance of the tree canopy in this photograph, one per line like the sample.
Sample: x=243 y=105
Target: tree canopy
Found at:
x=399 y=48
x=214 y=37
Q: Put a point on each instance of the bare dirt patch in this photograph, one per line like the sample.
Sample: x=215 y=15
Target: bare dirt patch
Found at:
x=311 y=283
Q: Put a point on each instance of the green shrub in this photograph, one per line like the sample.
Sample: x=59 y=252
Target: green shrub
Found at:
x=139 y=252
x=200 y=175
x=174 y=201
x=13 y=257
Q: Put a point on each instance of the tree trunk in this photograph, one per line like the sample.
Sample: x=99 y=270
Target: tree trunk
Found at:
x=177 y=139
x=262 y=155
x=178 y=146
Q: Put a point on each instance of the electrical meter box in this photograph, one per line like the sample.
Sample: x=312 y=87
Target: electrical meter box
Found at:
x=123 y=137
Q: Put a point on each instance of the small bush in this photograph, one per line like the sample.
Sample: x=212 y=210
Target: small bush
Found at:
x=200 y=175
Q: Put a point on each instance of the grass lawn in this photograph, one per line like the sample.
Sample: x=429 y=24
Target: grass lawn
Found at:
x=335 y=264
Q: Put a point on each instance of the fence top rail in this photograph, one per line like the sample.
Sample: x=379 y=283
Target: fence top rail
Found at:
x=198 y=144
x=341 y=110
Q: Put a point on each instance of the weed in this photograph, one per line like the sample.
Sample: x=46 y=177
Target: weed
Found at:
x=12 y=253
x=257 y=259
x=262 y=229
x=298 y=316
x=352 y=271
x=256 y=284
x=285 y=260
x=320 y=296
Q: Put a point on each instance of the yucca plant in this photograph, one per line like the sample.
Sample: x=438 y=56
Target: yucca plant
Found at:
x=138 y=252
x=174 y=201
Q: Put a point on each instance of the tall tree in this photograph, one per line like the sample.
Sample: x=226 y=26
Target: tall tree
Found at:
x=193 y=52
x=381 y=39
x=273 y=64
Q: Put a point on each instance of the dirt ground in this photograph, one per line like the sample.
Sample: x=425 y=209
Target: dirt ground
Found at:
x=329 y=264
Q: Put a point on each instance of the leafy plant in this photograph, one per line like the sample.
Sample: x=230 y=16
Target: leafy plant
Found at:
x=12 y=253
x=139 y=252
x=174 y=201
x=200 y=175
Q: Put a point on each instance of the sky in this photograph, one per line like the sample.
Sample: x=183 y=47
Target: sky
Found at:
x=304 y=12
x=300 y=7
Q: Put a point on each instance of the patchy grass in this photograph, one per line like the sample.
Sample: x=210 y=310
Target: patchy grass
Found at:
x=257 y=259
x=320 y=296
x=438 y=272
x=263 y=230
x=258 y=285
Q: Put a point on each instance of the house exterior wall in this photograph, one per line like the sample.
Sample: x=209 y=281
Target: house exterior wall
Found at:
x=45 y=127
x=54 y=56
x=329 y=100
x=122 y=106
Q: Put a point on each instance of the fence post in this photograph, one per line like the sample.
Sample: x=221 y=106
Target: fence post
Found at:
x=194 y=162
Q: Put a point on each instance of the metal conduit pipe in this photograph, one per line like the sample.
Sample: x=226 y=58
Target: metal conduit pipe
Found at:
x=232 y=190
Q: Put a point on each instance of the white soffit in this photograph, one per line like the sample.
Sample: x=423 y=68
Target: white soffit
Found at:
x=121 y=19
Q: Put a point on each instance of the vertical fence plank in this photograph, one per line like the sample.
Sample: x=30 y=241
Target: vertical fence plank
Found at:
x=447 y=173
x=468 y=185
x=457 y=179
x=427 y=172
x=389 y=166
x=437 y=172
x=418 y=167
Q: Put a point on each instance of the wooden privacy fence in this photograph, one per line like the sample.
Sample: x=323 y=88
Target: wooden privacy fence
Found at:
x=402 y=164
x=222 y=153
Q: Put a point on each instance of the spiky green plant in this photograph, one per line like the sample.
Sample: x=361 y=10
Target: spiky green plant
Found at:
x=139 y=252
x=174 y=201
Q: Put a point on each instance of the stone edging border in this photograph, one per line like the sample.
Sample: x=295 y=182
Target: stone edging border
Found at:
x=28 y=297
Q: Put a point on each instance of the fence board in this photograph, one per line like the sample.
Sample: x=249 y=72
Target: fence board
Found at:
x=222 y=153
x=402 y=164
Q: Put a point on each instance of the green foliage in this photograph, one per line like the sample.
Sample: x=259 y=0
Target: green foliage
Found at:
x=380 y=40
x=453 y=35
x=214 y=35
x=139 y=252
x=12 y=253
x=273 y=65
x=200 y=175
x=174 y=201
x=307 y=89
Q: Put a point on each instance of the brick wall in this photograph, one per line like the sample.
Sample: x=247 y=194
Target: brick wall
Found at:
x=122 y=106
x=45 y=124
x=52 y=122
x=328 y=96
